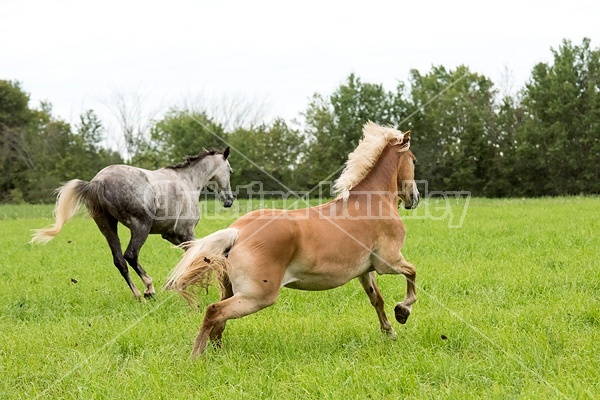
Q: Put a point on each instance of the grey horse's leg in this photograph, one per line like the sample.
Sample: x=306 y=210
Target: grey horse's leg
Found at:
x=139 y=233
x=108 y=226
x=369 y=284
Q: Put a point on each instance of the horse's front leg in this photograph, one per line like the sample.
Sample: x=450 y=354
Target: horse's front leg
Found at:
x=403 y=309
x=140 y=230
x=400 y=266
x=369 y=284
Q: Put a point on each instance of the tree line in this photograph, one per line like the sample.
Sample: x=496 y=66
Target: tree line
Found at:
x=542 y=141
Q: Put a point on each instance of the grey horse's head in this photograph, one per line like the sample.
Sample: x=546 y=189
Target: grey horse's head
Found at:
x=221 y=178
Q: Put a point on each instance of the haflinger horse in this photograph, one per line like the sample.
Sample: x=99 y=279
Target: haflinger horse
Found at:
x=163 y=201
x=318 y=248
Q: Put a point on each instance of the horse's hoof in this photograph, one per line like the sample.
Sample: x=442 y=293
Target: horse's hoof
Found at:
x=402 y=312
x=196 y=353
x=389 y=334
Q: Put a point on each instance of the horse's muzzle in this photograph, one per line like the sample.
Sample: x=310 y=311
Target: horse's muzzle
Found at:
x=228 y=201
x=413 y=203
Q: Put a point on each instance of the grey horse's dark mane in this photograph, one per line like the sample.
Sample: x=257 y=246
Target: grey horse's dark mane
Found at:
x=189 y=160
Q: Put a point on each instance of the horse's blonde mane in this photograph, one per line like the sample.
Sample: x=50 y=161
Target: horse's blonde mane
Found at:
x=364 y=157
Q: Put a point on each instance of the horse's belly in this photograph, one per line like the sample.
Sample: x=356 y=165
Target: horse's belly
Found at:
x=322 y=278
x=172 y=217
x=311 y=284
x=160 y=226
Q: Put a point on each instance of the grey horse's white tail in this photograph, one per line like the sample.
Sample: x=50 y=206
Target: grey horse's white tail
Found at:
x=203 y=259
x=70 y=197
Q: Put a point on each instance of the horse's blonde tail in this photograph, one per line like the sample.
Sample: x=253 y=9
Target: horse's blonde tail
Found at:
x=203 y=261
x=68 y=201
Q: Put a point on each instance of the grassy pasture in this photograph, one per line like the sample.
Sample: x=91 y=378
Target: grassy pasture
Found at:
x=515 y=292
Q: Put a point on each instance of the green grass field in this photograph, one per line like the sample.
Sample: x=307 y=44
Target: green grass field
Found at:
x=515 y=292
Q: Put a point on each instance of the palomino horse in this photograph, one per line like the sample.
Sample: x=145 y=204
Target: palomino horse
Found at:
x=163 y=201
x=354 y=236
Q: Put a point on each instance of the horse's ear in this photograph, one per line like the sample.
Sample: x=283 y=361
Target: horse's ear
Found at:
x=226 y=153
x=406 y=139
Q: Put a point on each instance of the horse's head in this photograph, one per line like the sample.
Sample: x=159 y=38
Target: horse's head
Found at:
x=407 y=187
x=221 y=177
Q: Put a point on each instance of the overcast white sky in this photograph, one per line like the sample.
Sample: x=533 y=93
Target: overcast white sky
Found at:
x=76 y=53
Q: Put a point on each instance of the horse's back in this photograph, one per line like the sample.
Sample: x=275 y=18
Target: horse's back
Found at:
x=158 y=196
x=121 y=173
x=253 y=235
x=126 y=190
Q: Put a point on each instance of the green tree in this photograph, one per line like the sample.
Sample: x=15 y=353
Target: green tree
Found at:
x=266 y=153
x=333 y=125
x=559 y=141
x=15 y=120
x=90 y=131
x=38 y=151
x=453 y=121
x=14 y=105
x=179 y=134
x=86 y=155
x=48 y=145
x=503 y=175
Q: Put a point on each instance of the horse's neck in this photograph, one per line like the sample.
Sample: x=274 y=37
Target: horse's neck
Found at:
x=383 y=177
x=199 y=173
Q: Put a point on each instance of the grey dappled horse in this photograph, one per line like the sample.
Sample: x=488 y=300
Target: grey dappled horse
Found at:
x=164 y=201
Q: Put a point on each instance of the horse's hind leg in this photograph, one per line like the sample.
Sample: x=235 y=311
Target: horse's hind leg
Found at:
x=108 y=226
x=236 y=306
x=217 y=331
x=402 y=309
x=139 y=233
x=369 y=283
